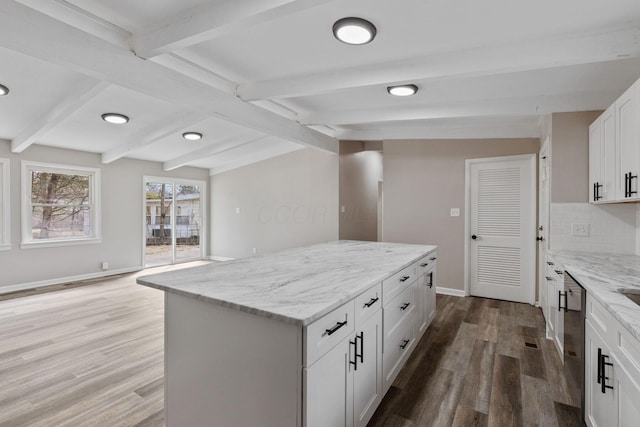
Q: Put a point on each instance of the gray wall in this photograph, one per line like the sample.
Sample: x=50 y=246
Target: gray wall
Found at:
x=360 y=171
x=287 y=201
x=423 y=180
x=122 y=219
x=570 y=156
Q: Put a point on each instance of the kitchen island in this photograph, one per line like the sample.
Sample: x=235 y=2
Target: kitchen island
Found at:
x=293 y=338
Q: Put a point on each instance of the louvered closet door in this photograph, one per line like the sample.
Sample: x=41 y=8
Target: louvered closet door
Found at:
x=502 y=220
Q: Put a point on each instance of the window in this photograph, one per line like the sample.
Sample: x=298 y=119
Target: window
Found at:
x=5 y=239
x=60 y=205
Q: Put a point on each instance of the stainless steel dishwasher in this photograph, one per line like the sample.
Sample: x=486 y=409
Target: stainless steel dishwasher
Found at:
x=575 y=303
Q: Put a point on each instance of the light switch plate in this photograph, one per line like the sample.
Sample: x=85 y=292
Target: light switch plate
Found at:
x=237 y=210
x=580 y=229
x=455 y=211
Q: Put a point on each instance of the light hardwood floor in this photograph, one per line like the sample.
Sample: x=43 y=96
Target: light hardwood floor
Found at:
x=93 y=355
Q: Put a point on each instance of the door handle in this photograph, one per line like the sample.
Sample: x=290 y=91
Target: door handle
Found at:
x=474 y=237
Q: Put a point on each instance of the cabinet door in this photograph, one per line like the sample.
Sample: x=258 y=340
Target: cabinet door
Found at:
x=558 y=337
x=627 y=130
x=608 y=157
x=329 y=388
x=367 y=375
x=431 y=295
x=552 y=303
x=599 y=407
x=595 y=158
x=628 y=394
x=422 y=304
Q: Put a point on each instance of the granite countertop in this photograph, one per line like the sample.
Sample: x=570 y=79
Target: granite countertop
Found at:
x=297 y=285
x=602 y=275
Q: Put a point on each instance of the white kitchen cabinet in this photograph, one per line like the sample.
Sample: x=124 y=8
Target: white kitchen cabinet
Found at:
x=614 y=150
x=628 y=142
x=425 y=294
x=555 y=313
x=599 y=402
x=602 y=158
x=344 y=386
x=612 y=370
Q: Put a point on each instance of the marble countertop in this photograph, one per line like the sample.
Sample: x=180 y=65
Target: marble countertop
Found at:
x=297 y=285
x=602 y=275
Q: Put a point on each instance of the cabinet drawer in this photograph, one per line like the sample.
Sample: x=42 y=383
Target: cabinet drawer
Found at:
x=601 y=320
x=398 y=310
x=427 y=263
x=367 y=304
x=397 y=283
x=397 y=347
x=326 y=332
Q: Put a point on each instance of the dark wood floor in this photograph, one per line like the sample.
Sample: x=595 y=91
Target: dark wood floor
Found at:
x=482 y=362
x=93 y=355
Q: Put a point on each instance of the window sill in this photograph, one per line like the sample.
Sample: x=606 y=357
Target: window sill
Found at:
x=57 y=243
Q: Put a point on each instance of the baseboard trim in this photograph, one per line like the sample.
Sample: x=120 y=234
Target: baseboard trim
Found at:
x=61 y=280
x=220 y=258
x=449 y=291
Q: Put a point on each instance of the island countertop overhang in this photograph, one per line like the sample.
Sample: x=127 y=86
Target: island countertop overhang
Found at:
x=296 y=286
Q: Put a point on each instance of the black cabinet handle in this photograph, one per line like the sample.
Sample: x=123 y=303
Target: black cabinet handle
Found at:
x=405 y=306
x=430 y=280
x=560 y=295
x=626 y=185
x=596 y=191
x=335 y=328
x=433 y=259
x=404 y=344
x=371 y=302
x=602 y=376
x=548 y=278
x=354 y=362
x=632 y=177
x=360 y=336
x=404 y=278
x=424 y=264
x=550 y=263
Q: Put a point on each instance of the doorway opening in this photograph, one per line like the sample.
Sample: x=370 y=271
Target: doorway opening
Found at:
x=174 y=221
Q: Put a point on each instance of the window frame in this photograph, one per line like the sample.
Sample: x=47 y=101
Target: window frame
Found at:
x=27 y=210
x=5 y=224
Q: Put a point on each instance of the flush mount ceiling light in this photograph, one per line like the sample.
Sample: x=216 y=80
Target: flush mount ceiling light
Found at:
x=354 y=30
x=3 y=90
x=192 y=136
x=115 y=118
x=402 y=90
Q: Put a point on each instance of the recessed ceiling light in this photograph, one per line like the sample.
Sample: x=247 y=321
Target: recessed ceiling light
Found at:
x=354 y=30
x=402 y=90
x=3 y=90
x=115 y=118
x=192 y=136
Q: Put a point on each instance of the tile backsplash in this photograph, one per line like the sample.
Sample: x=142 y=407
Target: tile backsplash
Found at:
x=612 y=227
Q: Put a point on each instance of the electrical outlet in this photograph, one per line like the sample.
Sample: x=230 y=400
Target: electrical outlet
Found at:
x=342 y=209
x=455 y=211
x=579 y=229
x=237 y=210
x=105 y=265
x=255 y=251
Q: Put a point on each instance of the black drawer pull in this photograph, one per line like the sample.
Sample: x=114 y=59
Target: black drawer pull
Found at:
x=433 y=259
x=404 y=344
x=548 y=278
x=405 y=306
x=404 y=278
x=430 y=280
x=371 y=302
x=424 y=264
x=335 y=328
x=602 y=376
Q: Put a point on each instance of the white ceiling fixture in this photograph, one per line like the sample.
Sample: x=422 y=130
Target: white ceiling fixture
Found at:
x=354 y=31
x=3 y=90
x=115 y=118
x=402 y=90
x=192 y=136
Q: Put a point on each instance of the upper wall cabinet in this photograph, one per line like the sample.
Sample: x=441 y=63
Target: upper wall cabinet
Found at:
x=614 y=151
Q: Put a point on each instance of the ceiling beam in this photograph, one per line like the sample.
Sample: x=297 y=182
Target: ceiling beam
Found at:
x=210 y=150
x=266 y=151
x=522 y=106
x=595 y=46
x=32 y=33
x=214 y=20
x=83 y=90
x=172 y=125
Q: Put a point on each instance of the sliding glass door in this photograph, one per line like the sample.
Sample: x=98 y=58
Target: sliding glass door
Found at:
x=174 y=221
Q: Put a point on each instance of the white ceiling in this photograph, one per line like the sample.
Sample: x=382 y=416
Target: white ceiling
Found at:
x=261 y=78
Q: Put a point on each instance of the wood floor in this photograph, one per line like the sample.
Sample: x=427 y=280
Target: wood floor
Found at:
x=93 y=356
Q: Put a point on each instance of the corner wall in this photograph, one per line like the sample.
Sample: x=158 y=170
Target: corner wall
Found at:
x=122 y=220
x=286 y=201
x=423 y=180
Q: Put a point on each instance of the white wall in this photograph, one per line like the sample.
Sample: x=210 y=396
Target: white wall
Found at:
x=287 y=201
x=122 y=220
